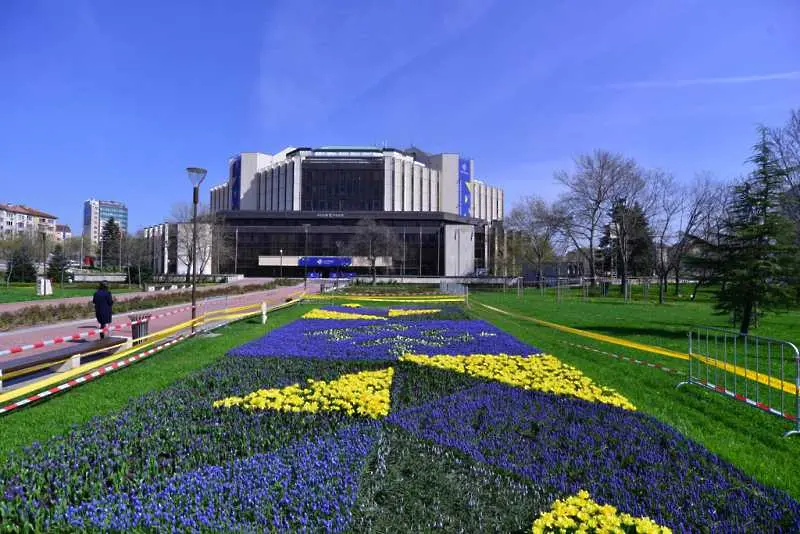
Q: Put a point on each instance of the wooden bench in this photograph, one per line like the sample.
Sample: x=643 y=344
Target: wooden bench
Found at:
x=61 y=359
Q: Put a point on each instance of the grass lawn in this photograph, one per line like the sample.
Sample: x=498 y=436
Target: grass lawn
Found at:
x=112 y=392
x=743 y=435
x=26 y=293
x=664 y=325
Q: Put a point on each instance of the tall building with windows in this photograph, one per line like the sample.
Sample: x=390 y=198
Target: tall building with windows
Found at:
x=300 y=208
x=16 y=220
x=97 y=212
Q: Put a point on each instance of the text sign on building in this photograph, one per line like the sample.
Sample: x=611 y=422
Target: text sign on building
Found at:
x=324 y=261
x=464 y=177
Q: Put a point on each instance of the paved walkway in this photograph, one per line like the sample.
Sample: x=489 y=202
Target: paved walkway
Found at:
x=31 y=335
x=16 y=306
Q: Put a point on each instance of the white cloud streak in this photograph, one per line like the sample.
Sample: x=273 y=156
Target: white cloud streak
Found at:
x=732 y=80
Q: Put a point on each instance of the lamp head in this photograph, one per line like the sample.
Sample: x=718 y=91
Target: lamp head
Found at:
x=196 y=175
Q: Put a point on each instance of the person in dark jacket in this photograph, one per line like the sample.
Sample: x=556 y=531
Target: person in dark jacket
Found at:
x=102 y=306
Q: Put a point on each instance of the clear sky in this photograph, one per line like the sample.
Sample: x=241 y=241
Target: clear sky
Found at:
x=113 y=100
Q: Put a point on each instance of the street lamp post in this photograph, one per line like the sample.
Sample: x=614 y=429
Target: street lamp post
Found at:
x=281 y=273
x=305 y=263
x=44 y=254
x=196 y=177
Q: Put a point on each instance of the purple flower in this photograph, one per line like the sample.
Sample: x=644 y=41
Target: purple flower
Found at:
x=623 y=458
x=386 y=340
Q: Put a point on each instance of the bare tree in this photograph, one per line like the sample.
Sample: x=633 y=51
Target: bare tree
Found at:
x=538 y=223
x=669 y=204
x=181 y=215
x=591 y=187
x=709 y=233
x=785 y=141
x=371 y=239
x=677 y=214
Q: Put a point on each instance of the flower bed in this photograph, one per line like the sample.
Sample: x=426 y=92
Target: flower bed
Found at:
x=544 y=373
x=384 y=340
x=311 y=433
x=622 y=458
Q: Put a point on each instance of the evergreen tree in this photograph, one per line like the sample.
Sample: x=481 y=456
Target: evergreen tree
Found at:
x=21 y=267
x=756 y=259
x=56 y=269
x=110 y=243
x=639 y=242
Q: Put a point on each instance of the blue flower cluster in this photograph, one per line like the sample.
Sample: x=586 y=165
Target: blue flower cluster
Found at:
x=309 y=486
x=624 y=458
x=387 y=340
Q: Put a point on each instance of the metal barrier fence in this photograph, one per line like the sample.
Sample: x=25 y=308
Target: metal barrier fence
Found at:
x=762 y=372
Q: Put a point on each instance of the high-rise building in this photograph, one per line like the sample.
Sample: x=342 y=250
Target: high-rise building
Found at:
x=97 y=212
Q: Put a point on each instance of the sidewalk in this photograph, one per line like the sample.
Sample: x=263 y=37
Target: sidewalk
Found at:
x=32 y=335
x=118 y=297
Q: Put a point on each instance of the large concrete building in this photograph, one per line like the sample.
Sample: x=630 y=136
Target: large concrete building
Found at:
x=170 y=248
x=95 y=215
x=306 y=203
x=17 y=220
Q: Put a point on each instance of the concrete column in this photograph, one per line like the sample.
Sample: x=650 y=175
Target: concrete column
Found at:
x=388 y=186
x=296 y=183
x=397 y=196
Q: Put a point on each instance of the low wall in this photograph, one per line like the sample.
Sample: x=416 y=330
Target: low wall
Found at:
x=98 y=277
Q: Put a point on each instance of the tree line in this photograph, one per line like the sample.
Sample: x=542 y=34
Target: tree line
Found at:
x=618 y=218
x=116 y=251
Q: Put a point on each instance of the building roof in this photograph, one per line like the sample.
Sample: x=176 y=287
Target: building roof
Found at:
x=63 y=228
x=25 y=210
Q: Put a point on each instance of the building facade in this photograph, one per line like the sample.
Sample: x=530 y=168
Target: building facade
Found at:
x=63 y=232
x=307 y=203
x=95 y=215
x=17 y=220
x=170 y=248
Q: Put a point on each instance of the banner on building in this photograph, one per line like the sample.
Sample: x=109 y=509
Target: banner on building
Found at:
x=464 y=177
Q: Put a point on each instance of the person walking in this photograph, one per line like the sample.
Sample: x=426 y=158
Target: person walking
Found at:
x=102 y=301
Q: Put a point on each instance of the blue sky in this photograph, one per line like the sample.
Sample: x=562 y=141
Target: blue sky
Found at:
x=113 y=100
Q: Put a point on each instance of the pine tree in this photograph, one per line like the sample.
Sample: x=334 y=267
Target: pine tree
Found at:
x=756 y=260
x=21 y=267
x=57 y=267
x=110 y=242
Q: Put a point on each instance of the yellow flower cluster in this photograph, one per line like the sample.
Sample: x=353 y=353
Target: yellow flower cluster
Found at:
x=351 y=305
x=402 y=312
x=580 y=513
x=326 y=314
x=365 y=393
x=541 y=373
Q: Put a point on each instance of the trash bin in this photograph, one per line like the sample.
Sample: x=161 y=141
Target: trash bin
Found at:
x=139 y=329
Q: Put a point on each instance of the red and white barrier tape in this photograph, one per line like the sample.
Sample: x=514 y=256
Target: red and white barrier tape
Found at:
x=88 y=333
x=121 y=363
x=742 y=398
x=89 y=376
x=627 y=359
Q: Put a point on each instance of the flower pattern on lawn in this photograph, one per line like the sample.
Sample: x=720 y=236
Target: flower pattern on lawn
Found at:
x=292 y=439
x=365 y=394
x=543 y=373
x=341 y=315
x=399 y=312
x=385 y=340
x=580 y=513
x=624 y=458
x=307 y=486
